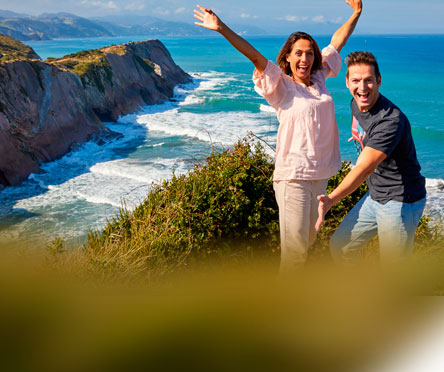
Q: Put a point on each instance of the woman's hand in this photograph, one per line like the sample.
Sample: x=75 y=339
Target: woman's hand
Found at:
x=356 y=5
x=211 y=21
x=208 y=19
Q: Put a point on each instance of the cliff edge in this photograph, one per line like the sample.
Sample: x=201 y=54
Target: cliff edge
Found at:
x=46 y=108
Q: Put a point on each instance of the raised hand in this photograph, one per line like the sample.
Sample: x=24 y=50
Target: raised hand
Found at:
x=211 y=21
x=207 y=18
x=356 y=5
x=342 y=34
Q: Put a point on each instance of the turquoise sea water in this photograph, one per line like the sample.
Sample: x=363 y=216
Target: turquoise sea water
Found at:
x=86 y=187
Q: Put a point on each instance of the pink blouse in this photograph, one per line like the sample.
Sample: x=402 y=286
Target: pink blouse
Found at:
x=307 y=140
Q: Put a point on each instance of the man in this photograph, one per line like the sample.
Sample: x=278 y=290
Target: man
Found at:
x=396 y=199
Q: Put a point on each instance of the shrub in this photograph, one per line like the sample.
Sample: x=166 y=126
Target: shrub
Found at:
x=226 y=200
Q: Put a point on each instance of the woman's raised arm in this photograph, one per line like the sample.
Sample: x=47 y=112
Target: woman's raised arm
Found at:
x=211 y=21
x=341 y=36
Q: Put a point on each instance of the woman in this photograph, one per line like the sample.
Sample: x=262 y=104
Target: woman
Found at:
x=307 y=151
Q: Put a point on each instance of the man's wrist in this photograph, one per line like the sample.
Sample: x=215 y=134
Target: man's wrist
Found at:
x=332 y=198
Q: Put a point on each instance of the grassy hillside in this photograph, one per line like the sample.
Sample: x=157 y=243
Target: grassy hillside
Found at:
x=223 y=207
x=11 y=49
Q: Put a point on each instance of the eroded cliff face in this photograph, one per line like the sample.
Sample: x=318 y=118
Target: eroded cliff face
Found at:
x=46 y=108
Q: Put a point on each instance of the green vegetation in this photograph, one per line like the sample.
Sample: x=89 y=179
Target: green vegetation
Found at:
x=12 y=49
x=223 y=208
x=91 y=65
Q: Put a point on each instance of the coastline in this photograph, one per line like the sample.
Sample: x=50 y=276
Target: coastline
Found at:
x=87 y=186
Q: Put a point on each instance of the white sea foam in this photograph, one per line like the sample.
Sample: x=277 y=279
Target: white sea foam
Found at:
x=266 y=108
x=93 y=198
x=211 y=80
x=192 y=100
x=124 y=169
x=224 y=128
x=158 y=144
x=435 y=197
x=435 y=183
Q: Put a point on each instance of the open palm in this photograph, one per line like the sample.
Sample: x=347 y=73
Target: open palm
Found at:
x=207 y=18
x=356 y=5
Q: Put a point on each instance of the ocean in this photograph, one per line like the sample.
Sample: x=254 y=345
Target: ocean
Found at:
x=88 y=186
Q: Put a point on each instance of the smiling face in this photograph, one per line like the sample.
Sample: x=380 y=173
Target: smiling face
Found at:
x=363 y=85
x=301 y=60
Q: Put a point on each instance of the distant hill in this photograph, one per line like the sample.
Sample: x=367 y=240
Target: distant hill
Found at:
x=142 y=25
x=65 y=25
x=51 y=26
x=9 y=14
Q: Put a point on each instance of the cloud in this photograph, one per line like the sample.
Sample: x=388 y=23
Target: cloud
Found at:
x=137 y=5
x=319 y=19
x=338 y=20
x=244 y=15
x=179 y=10
x=292 y=18
x=100 y=4
x=161 y=11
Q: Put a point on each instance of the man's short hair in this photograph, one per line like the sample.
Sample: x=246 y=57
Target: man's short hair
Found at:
x=362 y=58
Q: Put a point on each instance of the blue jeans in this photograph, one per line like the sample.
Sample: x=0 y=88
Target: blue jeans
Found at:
x=394 y=222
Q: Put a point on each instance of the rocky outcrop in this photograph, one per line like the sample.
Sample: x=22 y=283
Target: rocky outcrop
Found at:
x=46 y=108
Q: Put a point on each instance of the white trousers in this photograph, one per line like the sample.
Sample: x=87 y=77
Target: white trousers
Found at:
x=298 y=212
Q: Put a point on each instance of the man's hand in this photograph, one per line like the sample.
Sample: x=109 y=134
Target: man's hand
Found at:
x=356 y=5
x=367 y=162
x=325 y=203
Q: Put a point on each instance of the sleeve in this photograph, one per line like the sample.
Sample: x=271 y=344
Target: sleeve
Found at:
x=386 y=135
x=331 y=62
x=269 y=84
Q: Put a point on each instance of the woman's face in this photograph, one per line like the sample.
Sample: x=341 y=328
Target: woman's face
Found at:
x=301 y=60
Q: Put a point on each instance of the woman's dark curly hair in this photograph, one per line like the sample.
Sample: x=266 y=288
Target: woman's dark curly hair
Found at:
x=288 y=46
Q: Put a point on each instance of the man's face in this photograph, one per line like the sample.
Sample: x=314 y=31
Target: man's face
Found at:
x=363 y=85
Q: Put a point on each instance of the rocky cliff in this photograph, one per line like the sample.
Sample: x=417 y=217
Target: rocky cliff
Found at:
x=48 y=107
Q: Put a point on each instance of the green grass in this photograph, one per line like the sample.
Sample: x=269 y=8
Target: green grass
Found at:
x=12 y=49
x=91 y=65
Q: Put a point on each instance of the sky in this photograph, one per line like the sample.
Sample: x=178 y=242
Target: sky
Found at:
x=275 y=16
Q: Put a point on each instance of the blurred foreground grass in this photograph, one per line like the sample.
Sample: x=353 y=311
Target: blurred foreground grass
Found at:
x=188 y=282
x=234 y=318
